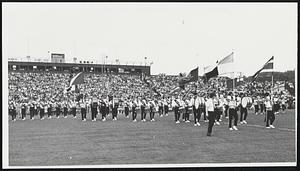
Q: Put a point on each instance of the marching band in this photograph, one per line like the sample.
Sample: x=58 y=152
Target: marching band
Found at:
x=212 y=106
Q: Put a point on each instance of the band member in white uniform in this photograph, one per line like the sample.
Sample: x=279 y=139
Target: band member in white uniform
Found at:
x=233 y=113
x=83 y=106
x=283 y=104
x=187 y=107
x=244 y=110
x=217 y=110
x=202 y=108
x=175 y=106
x=270 y=113
x=196 y=111
x=152 y=110
x=276 y=104
x=211 y=113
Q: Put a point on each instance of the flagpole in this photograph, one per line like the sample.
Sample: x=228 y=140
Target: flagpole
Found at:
x=272 y=79
x=233 y=84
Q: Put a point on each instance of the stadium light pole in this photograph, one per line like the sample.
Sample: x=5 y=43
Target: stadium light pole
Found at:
x=102 y=64
x=104 y=61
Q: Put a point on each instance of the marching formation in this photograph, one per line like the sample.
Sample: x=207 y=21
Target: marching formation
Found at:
x=212 y=106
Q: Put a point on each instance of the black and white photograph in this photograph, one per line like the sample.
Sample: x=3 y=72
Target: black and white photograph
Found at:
x=147 y=85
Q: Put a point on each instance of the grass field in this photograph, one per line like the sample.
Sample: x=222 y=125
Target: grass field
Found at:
x=69 y=141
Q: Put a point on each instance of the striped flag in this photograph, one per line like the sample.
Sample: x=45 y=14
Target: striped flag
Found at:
x=208 y=68
x=267 y=65
x=227 y=59
x=225 y=66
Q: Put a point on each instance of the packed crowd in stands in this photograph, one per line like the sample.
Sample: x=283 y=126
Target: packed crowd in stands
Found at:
x=29 y=91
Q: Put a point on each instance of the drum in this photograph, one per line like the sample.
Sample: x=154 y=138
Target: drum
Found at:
x=250 y=102
x=247 y=102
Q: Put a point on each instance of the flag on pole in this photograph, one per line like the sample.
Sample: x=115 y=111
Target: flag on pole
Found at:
x=225 y=66
x=267 y=65
x=77 y=79
x=212 y=73
x=208 y=68
x=153 y=88
x=227 y=59
x=192 y=76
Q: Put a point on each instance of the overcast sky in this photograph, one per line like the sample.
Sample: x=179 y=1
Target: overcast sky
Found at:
x=177 y=37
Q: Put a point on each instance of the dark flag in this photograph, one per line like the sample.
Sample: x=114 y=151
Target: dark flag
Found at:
x=267 y=65
x=212 y=73
x=153 y=88
x=192 y=76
